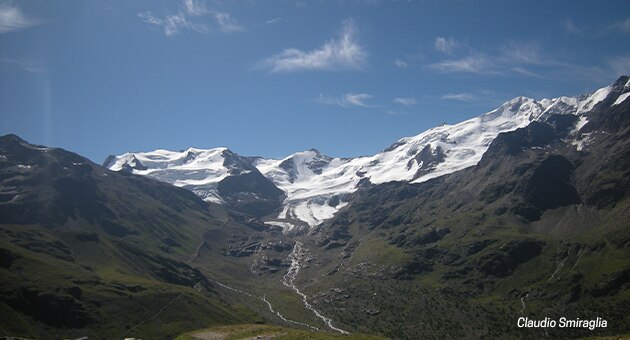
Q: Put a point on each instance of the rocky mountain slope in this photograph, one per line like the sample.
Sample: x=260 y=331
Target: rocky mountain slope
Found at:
x=85 y=251
x=538 y=228
x=317 y=186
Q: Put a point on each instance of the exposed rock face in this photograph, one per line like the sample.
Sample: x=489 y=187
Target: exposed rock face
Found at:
x=551 y=184
x=6 y=258
x=251 y=193
x=427 y=159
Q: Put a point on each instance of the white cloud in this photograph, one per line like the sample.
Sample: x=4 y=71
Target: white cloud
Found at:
x=273 y=21
x=346 y=100
x=520 y=53
x=15 y=65
x=570 y=27
x=623 y=26
x=445 y=45
x=513 y=57
x=149 y=18
x=12 y=18
x=471 y=64
x=173 y=23
x=401 y=63
x=343 y=53
x=620 y=65
x=464 y=97
x=526 y=72
x=227 y=24
x=479 y=96
x=405 y=101
x=357 y=99
x=190 y=17
x=195 y=7
x=397 y=113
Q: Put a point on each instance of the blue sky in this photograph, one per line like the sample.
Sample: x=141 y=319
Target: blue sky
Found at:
x=271 y=78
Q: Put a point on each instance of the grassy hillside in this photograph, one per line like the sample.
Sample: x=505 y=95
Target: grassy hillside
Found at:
x=87 y=251
x=266 y=332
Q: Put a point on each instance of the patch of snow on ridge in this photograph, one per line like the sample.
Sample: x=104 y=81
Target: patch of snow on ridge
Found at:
x=621 y=98
x=286 y=226
x=593 y=99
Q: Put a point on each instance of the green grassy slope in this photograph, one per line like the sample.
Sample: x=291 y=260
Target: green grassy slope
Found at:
x=86 y=251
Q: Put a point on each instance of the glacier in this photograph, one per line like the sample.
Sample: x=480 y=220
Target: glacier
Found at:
x=317 y=186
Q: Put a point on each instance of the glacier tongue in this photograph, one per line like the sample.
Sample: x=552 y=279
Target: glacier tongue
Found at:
x=317 y=186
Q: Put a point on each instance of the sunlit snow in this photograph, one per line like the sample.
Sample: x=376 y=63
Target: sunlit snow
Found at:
x=317 y=186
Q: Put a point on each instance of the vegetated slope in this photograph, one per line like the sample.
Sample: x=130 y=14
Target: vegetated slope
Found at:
x=267 y=332
x=317 y=185
x=88 y=251
x=540 y=227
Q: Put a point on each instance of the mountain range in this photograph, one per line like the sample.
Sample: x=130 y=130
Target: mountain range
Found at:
x=453 y=233
x=316 y=186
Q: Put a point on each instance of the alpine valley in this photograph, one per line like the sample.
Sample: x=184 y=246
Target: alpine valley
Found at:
x=457 y=232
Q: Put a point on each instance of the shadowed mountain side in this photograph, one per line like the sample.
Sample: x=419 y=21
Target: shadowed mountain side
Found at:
x=88 y=251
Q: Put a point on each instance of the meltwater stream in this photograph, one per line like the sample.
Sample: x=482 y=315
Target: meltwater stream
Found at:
x=264 y=299
x=289 y=278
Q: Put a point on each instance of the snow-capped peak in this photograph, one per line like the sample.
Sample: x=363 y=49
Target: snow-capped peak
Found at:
x=199 y=170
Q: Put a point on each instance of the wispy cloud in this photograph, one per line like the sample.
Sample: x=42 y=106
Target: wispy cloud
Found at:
x=342 y=53
x=12 y=18
x=409 y=60
x=16 y=65
x=479 y=96
x=172 y=24
x=620 y=65
x=478 y=63
x=513 y=57
x=398 y=113
x=196 y=7
x=227 y=24
x=346 y=100
x=405 y=101
x=524 y=53
x=445 y=45
x=464 y=97
x=273 y=20
x=570 y=27
x=191 y=16
x=622 y=26
x=525 y=72
x=401 y=63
